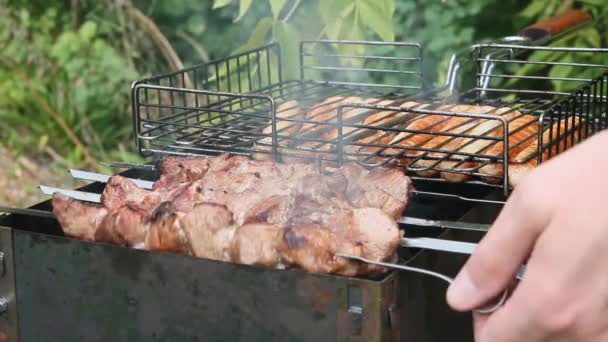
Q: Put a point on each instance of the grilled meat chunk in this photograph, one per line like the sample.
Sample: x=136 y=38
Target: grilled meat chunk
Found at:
x=313 y=247
x=366 y=232
x=120 y=191
x=166 y=232
x=209 y=229
x=124 y=226
x=78 y=219
x=175 y=170
x=258 y=244
x=386 y=188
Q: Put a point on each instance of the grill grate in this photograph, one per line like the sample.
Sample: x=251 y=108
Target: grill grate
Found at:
x=253 y=115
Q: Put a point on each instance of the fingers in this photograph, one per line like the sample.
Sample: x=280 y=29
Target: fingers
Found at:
x=499 y=255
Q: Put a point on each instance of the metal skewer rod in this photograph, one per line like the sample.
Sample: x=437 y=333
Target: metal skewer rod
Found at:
x=485 y=311
x=99 y=177
x=32 y=212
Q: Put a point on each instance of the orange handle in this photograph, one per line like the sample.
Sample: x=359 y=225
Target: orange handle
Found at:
x=556 y=24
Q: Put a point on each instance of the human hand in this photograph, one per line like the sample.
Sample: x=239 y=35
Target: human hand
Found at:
x=557 y=220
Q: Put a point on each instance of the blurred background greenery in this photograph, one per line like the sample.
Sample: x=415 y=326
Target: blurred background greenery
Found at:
x=66 y=66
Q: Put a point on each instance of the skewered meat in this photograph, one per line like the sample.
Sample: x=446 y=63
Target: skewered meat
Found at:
x=166 y=232
x=78 y=219
x=253 y=212
x=124 y=226
x=258 y=244
x=367 y=232
x=313 y=247
x=175 y=170
x=388 y=189
x=209 y=229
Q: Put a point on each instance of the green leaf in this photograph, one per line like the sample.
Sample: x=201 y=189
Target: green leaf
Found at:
x=87 y=31
x=221 y=3
x=243 y=9
x=535 y=8
x=288 y=39
x=375 y=16
x=276 y=6
x=258 y=35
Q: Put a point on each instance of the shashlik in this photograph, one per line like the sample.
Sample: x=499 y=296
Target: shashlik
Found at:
x=235 y=209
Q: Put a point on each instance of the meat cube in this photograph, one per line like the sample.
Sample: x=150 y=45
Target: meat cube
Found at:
x=165 y=232
x=312 y=247
x=258 y=244
x=124 y=226
x=78 y=219
x=120 y=191
x=209 y=229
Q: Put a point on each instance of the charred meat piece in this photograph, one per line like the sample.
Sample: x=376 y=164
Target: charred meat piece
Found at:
x=175 y=170
x=78 y=219
x=124 y=226
x=366 y=232
x=209 y=229
x=165 y=232
x=120 y=191
x=312 y=247
x=258 y=244
x=378 y=234
x=386 y=188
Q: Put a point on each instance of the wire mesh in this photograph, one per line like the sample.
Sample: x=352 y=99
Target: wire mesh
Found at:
x=515 y=114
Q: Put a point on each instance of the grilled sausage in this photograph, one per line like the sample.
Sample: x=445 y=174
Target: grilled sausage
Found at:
x=380 y=136
x=525 y=131
x=323 y=112
x=287 y=110
x=314 y=149
x=566 y=139
x=424 y=122
x=456 y=125
x=486 y=128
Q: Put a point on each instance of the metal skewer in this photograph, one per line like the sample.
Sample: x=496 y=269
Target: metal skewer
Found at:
x=443 y=277
x=32 y=212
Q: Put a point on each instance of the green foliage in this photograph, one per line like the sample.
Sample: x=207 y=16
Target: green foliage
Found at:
x=52 y=73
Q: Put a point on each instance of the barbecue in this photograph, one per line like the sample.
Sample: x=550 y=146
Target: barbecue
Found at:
x=283 y=199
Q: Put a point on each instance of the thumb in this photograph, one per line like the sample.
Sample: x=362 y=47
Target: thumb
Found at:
x=499 y=255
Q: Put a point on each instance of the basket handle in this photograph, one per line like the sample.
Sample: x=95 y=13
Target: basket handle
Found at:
x=556 y=25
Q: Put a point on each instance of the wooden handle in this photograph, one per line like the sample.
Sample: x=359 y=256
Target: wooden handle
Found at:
x=556 y=24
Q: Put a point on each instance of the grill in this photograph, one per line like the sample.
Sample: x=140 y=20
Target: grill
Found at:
x=171 y=118
x=70 y=290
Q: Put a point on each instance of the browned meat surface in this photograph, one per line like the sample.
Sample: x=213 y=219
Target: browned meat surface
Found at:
x=78 y=219
x=312 y=247
x=120 y=191
x=252 y=212
x=258 y=244
x=175 y=170
x=386 y=188
x=166 y=232
x=125 y=226
x=209 y=229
